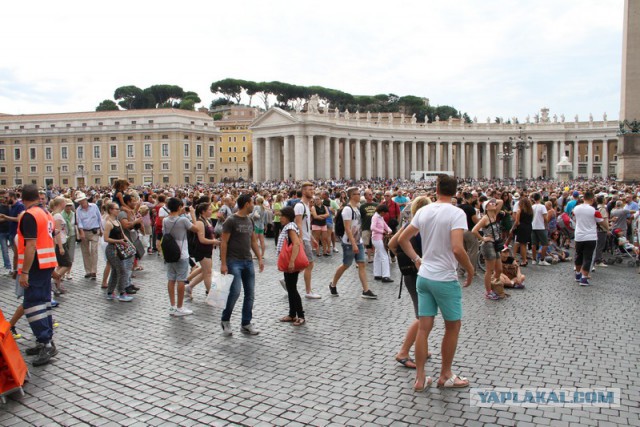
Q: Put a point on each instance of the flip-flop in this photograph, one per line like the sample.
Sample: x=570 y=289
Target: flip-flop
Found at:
x=451 y=382
x=405 y=361
x=299 y=321
x=288 y=319
x=427 y=383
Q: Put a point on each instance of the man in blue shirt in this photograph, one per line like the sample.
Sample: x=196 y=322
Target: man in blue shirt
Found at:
x=15 y=209
x=401 y=200
x=90 y=229
x=572 y=203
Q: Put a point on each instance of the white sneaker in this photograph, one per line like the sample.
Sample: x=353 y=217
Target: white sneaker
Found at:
x=534 y=262
x=249 y=329
x=313 y=295
x=284 y=285
x=182 y=312
x=226 y=328
x=543 y=262
x=172 y=311
x=335 y=250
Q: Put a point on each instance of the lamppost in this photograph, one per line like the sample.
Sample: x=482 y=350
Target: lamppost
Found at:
x=522 y=142
x=194 y=175
x=506 y=153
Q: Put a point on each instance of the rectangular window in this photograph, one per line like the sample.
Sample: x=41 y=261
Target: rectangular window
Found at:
x=96 y=151
x=96 y=139
x=96 y=168
x=113 y=151
x=148 y=166
x=129 y=150
x=186 y=150
x=212 y=152
x=34 y=169
x=97 y=180
x=32 y=153
x=165 y=166
x=165 y=179
x=47 y=153
x=47 y=141
x=129 y=138
x=165 y=136
x=2 y=154
x=147 y=150
x=49 y=168
x=199 y=166
x=165 y=150
x=186 y=166
x=65 y=181
x=198 y=150
x=16 y=154
x=244 y=139
x=147 y=137
x=65 y=168
x=80 y=152
x=79 y=140
x=114 y=167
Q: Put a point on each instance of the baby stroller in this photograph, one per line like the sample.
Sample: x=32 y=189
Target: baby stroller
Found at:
x=566 y=227
x=621 y=248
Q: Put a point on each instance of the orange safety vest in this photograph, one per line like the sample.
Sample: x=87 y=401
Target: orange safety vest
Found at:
x=45 y=247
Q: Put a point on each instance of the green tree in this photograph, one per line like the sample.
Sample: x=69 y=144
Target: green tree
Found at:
x=107 y=105
x=129 y=97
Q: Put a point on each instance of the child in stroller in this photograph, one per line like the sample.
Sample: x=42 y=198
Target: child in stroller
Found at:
x=622 y=248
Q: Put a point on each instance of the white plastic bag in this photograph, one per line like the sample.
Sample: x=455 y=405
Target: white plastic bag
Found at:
x=144 y=238
x=220 y=286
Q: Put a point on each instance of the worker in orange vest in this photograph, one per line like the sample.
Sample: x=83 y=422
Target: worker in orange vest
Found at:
x=36 y=264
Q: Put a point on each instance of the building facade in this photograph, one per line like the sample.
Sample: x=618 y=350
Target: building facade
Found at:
x=312 y=145
x=235 y=148
x=157 y=146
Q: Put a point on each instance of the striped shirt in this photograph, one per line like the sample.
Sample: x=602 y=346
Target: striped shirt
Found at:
x=284 y=234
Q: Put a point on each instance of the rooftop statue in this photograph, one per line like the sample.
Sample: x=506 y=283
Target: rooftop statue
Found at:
x=314 y=101
x=368 y=116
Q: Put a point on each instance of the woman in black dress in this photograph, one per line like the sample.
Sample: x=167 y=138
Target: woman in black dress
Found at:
x=205 y=243
x=524 y=219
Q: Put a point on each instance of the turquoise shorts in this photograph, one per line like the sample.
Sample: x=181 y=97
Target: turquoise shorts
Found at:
x=433 y=294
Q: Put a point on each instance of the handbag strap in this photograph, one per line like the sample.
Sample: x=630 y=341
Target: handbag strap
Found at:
x=400 y=290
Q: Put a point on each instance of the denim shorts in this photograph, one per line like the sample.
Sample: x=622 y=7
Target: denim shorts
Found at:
x=178 y=271
x=348 y=256
x=445 y=295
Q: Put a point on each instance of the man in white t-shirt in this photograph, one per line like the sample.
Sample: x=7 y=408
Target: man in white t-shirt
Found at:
x=441 y=226
x=586 y=236
x=352 y=247
x=539 y=230
x=303 y=221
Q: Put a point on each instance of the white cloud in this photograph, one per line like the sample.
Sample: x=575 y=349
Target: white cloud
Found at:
x=496 y=58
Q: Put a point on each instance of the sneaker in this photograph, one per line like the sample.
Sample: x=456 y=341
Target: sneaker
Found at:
x=543 y=262
x=54 y=303
x=124 y=298
x=335 y=250
x=45 y=355
x=312 y=295
x=533 y=262
x=182 y=312
x=578 y=276
x=188 y=292
x=68 y=277
x=584 y=281
x=369 y=295
x=602 y=264
x=111 y=297
x=284 y=285
x=226 y=328
x=33 y=351
x=16 y=335
x=172 y=311
x=249 y=329
x=333 y=290
x=492 y=296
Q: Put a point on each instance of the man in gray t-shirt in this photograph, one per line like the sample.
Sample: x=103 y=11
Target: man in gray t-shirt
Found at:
x=237 y=237
x=619 y=216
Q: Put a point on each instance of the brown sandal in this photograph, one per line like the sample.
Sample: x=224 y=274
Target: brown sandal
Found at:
x=299 y=321
x=288 y=319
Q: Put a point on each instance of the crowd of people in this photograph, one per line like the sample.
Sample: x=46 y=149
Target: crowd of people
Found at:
x=438 y=233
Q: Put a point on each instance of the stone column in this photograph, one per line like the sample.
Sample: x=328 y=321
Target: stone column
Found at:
x=347 y=158
x=287 y=157
x=358 y=153
x=590 y=158
x=450 y=157
x=604 y=169
x=336 y=158
x=390 y=160
x=298 y=156
x=268 y=161
x=327 y=157
x=368 y=162
x=534 y=162
x=463 y=160
x=414 y=157
x=500 y=161
x=576 y=157
x=438 y=156
x=401 y=172
x=554 y=158
x=311 y=158
x=256 y=159
x=487 y=160
x=379 y=173
x=514 y=162
x=474 y=157
x=425 y=156
x=527 y=162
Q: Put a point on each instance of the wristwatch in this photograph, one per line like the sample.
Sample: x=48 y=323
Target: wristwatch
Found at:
x=416 y=259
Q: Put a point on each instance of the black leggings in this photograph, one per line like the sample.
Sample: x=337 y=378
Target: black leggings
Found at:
x=276 y=232
x=295 y=302
x=584 y=254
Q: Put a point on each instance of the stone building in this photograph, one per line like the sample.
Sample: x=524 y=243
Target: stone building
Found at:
x=235 y=148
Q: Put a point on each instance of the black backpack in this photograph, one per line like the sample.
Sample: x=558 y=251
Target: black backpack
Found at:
x=192 y=242
x=170 y=249
x=405 y=264
x=338 y=224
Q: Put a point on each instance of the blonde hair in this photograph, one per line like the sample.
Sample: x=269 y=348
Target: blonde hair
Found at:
x=418 y=203
x=53 y=204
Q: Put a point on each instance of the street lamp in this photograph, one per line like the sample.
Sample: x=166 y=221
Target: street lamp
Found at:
x=522 y=143
x=194 y=175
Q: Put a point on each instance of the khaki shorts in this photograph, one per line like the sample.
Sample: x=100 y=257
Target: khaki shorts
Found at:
x=308 y=250
x=366 y=238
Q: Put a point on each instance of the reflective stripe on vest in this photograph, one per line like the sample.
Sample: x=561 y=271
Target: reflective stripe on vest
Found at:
x=45 y=246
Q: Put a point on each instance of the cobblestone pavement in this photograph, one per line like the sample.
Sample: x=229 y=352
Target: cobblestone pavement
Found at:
x=133 y=364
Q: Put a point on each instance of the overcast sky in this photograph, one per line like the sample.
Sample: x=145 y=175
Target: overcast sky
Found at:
x=488 y=58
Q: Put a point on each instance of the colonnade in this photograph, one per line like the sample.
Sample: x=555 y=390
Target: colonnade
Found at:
x=302 y=157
